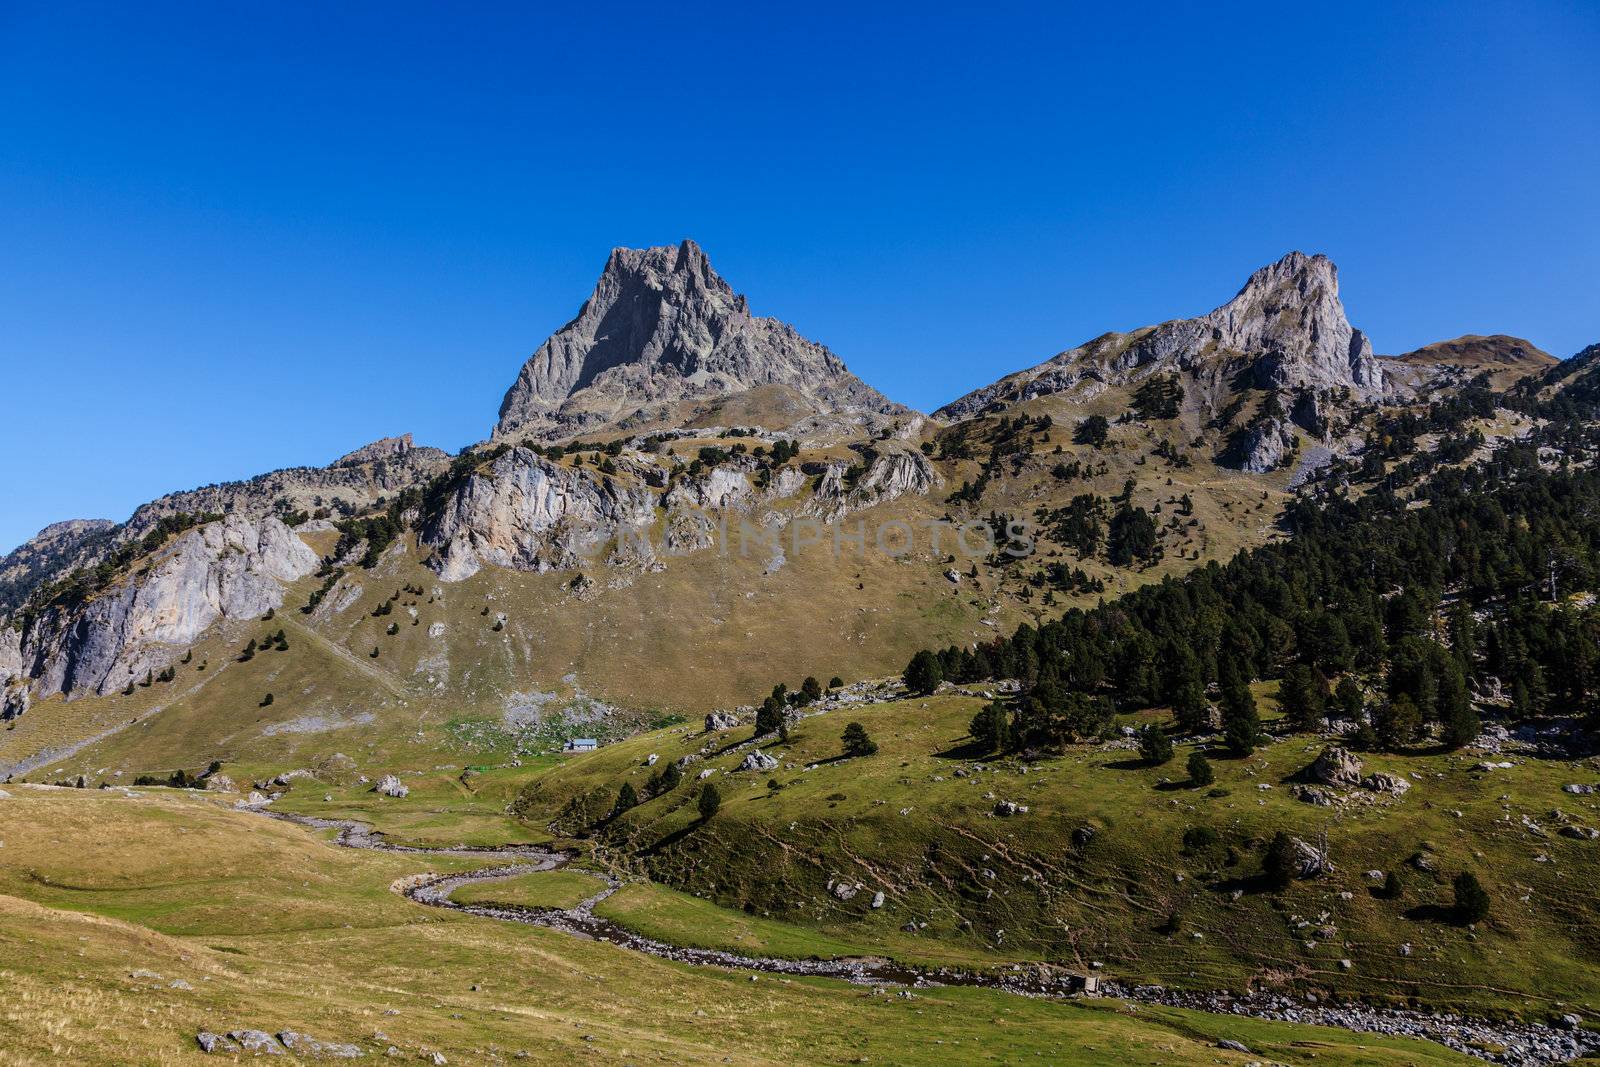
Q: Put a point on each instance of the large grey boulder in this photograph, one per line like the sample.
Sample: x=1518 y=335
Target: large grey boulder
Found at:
x=720 y=720
x=312 y=1048
x=390 y=786
x=1335 y=766
x=758 y=760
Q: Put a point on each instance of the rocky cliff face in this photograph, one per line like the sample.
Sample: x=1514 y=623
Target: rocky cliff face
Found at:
x=887 y=477
x=231 y=569
x=1285 y=332
x=530 y=514
x=662 y=328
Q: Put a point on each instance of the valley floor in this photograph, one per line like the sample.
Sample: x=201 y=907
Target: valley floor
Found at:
x=134 y=920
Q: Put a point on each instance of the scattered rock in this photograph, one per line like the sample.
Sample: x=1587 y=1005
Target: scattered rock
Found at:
x=1318 y=795
x=1010 y=807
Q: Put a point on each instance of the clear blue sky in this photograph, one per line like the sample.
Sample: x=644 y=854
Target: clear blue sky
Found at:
x=242 y=236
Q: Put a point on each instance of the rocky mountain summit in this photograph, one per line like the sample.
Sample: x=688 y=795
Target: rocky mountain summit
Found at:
x=55 y=549
x=1283 y=341
x=351 y=484
x=662 y=328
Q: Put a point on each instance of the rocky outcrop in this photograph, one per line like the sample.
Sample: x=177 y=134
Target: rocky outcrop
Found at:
x=1263 y=446
x=888 y=476
x=231 y=569
x=10 y=653
x=720 y=487
x=661 y=328
x=720 y=720
x=525 y=512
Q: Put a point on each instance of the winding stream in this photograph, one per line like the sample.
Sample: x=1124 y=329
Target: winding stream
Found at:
x=1529 y=1044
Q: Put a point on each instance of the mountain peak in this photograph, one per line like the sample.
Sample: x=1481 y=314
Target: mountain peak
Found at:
x=662 y=326
x=1286 y=328
x=1290 y=314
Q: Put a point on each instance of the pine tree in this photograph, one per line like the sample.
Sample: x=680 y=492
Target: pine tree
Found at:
x=1154 y=745
x=627 y=798
x=1301 y=697
x=923 y=674
x=1241 y=724
x=1200 y=773
x=710 y=801
x=1281 y=862
x=991 y=728
x=856 y=741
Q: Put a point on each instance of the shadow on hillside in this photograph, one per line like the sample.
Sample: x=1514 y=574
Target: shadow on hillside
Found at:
x=1250 y=884
x=1433 y=913
x=671 y=839
x=970 y=750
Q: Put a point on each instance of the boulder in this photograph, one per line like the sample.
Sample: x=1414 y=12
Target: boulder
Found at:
x=1310 y=862
x=1007 y=808
x=390 y=786
x=215 y=1043
x=220 y=783
x=257 y=1041
x=308 y=1046
x=1335 y=766
x=1318 y=795
x=843 y=890
x=758 y=760
x=721 y=720
x=1384 y=782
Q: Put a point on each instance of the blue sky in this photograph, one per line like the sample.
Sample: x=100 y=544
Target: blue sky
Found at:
x=235 y=237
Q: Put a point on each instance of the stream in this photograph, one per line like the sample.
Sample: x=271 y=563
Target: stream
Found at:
x=1523 y=1044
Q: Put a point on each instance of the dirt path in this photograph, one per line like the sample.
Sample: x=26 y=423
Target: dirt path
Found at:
x=1531 y=1045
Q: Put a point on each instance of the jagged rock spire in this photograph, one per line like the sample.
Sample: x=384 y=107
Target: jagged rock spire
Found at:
x=662 y=326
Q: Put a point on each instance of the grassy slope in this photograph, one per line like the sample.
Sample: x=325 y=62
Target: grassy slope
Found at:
x=271 y=928
x=903 y=822
x=712 y=629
